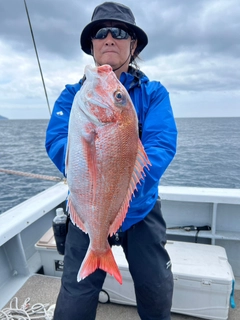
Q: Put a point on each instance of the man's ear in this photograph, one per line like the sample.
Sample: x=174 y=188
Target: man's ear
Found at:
x=133 y=46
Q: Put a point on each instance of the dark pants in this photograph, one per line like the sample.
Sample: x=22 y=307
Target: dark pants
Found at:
x=149 y=266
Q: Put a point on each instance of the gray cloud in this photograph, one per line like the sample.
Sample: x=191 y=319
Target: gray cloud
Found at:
x=193 y=45
x=56 y=26
x=201 y=26
x=172 y=26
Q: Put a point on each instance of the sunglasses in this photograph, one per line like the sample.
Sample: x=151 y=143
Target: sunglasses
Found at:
x=116 y=33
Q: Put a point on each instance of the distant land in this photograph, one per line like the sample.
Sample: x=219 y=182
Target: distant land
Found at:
x=2 y=118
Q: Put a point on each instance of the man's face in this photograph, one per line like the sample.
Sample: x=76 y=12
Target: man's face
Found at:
x=113 y=51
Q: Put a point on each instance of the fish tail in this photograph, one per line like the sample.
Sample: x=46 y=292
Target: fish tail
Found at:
x=104 y=261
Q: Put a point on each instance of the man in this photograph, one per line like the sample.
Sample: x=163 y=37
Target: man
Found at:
x=113 y=38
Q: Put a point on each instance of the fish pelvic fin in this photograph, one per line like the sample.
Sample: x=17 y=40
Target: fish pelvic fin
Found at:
x=141 y=162
x=105 y=261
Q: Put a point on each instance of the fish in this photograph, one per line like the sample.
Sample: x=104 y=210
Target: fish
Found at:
x=105 y=160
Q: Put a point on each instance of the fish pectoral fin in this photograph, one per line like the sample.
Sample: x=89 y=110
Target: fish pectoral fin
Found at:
x=75 y=217
x=138 y=173
x=89 y=148
x=66 y=158
x=105 y=261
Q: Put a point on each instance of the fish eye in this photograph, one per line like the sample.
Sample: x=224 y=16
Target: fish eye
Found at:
x=118 y=96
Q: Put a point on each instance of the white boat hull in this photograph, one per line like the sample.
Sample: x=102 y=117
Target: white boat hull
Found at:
x=23 y=225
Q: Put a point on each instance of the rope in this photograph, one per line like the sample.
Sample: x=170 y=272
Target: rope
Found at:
x=31 y=175
x=26 y=311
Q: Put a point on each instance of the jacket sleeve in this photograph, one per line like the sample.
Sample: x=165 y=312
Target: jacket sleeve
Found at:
x=159 y=136
x=57 y=131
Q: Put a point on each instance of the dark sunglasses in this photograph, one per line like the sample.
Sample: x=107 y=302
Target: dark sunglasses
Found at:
x=116 y=33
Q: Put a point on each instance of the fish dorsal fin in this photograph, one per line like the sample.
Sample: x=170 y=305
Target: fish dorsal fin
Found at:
x=138 y=173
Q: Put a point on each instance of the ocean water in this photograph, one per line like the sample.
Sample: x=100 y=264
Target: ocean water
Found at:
x=22 y=149
x=208 y=155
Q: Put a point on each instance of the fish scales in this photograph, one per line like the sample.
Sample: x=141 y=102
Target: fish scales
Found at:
x=104 y=162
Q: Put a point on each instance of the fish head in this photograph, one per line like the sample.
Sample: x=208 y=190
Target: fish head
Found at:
x=103 y=98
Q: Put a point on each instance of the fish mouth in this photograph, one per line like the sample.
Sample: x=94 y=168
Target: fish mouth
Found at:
x=91 y=117
x=95 y=107
x=93 y=104
x=100 y=104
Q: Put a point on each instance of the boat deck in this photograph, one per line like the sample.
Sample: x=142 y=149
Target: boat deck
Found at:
x=44 y=289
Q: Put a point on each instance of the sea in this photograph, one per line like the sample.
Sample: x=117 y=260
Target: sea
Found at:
x=208 y=155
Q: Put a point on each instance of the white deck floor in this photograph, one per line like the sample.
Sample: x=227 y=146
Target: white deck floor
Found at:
x=44 y=289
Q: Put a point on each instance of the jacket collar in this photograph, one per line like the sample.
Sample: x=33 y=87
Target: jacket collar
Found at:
x=133 y=78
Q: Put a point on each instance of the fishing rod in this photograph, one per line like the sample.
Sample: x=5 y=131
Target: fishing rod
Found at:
x=39 y=65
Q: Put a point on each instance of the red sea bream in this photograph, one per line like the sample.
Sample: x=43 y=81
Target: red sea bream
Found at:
x=104 y=163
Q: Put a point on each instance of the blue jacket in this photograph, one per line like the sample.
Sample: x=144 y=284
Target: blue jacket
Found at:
x=158 y=135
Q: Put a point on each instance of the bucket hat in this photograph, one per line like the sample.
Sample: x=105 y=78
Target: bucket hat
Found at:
x=112 y=11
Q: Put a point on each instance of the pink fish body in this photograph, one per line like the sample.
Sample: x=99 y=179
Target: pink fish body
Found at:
x=104 y=162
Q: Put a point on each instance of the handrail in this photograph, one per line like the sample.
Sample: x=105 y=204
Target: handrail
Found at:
x=197 y=194
x=21 y=216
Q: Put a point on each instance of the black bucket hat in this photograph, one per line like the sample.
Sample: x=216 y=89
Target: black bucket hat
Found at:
x=112 y=11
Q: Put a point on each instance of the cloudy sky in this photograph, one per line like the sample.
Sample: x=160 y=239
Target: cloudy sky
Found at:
x=194 y=50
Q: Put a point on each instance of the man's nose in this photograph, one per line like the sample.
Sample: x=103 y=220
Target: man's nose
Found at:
x=109 y=39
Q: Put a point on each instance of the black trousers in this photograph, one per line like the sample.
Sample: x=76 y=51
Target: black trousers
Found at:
x=149 y=265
